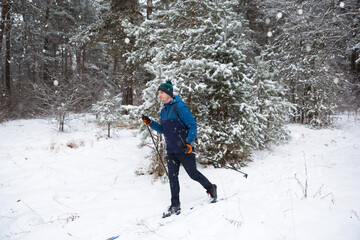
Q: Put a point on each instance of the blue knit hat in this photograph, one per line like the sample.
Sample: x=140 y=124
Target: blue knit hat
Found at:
x=167 y=88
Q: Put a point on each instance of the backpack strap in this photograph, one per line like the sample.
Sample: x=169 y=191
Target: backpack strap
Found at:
x=178 y=116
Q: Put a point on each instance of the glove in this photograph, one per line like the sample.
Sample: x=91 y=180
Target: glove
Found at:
x=187 y=149
x=146 y=119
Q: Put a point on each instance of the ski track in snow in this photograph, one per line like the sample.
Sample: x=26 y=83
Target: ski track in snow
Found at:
x=81 y=185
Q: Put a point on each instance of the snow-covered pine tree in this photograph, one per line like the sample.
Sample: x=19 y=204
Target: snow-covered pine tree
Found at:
x=107 y=110
x=199 y=46
x=272 y=106
x=211 y=79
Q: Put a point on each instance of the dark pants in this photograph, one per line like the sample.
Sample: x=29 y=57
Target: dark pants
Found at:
x=189 y=163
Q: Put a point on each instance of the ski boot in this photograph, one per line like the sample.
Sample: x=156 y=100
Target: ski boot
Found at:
x=172 y=210
x=213 y=193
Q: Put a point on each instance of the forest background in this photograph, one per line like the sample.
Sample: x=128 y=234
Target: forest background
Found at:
x=244 y=67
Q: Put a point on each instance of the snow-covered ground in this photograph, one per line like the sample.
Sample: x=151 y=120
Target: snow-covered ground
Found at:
x=81 y=185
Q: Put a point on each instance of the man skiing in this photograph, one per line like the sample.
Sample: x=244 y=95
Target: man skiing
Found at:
x=179 y=128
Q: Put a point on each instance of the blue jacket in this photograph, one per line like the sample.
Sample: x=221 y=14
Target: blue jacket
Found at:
x=171 y=126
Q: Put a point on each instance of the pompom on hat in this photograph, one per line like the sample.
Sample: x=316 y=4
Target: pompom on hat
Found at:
x=167 y=88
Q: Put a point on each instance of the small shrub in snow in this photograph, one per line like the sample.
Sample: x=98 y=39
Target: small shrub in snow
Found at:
x=108 y=110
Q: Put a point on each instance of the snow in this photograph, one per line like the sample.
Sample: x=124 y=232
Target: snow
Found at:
x=82 y=185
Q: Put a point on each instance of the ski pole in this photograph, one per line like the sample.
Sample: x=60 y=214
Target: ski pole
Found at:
x=245 y=174
x=232 y=168
x=157 y=150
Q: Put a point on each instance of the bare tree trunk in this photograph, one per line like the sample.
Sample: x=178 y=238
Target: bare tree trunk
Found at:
x=71 y=61
x=149 y=9
x=61 y=128
x=83 y=70
x=66 y=63
x=4 y=12
x=46 y=70
x=109 y=125
x=8 y=51
x=117 y=70
x=127 y=82
x=62 y=62
x=78 y=58
x=116 y=62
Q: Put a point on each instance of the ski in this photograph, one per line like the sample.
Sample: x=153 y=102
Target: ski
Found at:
x=169 y=213
x=169 y=218
x=113 y=238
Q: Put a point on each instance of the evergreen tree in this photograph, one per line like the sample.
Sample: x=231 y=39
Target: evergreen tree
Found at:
x=200 y=46
x=108 y=110
x=108 y=31
x=272 y=107
x=43 y=51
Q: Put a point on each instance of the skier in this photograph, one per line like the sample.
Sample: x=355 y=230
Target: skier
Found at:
x=179 y=128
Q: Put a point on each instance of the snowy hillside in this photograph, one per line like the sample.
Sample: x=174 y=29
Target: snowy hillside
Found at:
x=81 y=185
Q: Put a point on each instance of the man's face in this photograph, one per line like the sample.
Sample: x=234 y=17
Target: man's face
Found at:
x=164 y=98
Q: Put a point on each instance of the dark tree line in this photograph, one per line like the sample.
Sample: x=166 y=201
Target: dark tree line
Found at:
x=84 y=43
